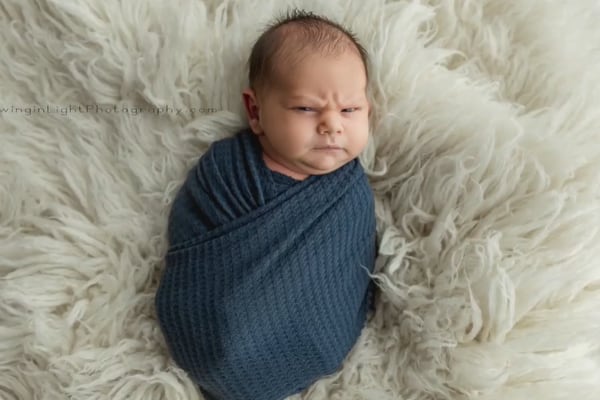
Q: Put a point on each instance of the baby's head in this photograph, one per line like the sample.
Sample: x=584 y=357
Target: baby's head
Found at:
x=307 y=99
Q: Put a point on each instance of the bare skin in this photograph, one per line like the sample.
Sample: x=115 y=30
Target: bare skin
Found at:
x=315 y=118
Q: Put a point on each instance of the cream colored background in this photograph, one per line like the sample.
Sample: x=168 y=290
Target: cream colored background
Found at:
x=484 y=161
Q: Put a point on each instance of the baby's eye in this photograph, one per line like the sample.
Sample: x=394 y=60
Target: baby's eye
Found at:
x=306 y=109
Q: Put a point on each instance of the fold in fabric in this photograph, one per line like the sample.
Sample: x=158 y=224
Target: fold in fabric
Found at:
x=266 y=287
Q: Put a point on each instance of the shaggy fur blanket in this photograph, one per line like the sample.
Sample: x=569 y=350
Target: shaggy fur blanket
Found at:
x=484 y=162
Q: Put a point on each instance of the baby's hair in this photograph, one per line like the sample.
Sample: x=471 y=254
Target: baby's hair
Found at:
x=298 y=30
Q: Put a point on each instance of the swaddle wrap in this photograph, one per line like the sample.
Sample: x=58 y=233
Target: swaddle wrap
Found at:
x=265 y=288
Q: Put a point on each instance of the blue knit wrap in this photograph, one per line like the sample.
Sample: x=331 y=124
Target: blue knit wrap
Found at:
x=265 y=288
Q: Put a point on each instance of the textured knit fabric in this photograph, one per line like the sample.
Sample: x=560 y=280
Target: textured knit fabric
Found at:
x=266 y=287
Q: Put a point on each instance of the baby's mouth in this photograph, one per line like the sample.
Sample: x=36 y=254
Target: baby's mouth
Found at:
x=332 y=147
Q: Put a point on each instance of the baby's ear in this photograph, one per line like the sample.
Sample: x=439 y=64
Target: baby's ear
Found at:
x=252 y=110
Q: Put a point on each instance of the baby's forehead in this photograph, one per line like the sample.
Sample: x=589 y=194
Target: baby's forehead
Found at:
x=300 y=93
x=288 y=85
x=286 y=68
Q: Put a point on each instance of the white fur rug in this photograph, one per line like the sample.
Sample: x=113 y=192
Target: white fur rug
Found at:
x=485 y=163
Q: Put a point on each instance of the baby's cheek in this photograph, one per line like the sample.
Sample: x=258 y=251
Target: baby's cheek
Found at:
x=298 y=138
x=360 y=143
x=299 y=147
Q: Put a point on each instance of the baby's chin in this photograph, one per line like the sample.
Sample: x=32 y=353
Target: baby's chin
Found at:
x=323 y=166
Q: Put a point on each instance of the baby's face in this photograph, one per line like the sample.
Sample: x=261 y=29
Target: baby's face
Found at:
x=314 y=119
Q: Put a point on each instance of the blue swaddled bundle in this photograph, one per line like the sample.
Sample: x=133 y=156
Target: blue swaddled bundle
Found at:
x=266 y=287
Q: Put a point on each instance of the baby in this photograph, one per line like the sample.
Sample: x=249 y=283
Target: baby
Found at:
x=272 y=236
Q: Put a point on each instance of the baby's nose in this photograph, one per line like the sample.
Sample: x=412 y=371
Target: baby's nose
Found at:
x=330 y=124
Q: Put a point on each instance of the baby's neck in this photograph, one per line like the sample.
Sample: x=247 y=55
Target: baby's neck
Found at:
x=277 y=167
